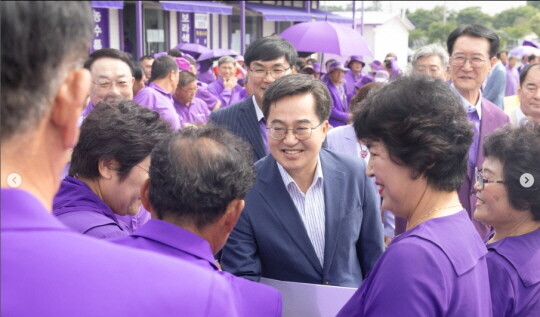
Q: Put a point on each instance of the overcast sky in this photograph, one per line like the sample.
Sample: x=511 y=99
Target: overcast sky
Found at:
x=489 y=7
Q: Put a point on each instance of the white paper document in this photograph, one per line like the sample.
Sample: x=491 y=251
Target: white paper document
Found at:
x=313 y=300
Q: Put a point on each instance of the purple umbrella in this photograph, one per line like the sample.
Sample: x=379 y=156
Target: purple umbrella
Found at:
x=530 y=43
x=215 y=53
x=192 y=49
x=524 y=50
x=326 y=37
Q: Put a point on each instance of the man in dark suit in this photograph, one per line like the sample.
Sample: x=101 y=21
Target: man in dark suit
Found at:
x=312 y=215
x=471 y=49
x=267 y=59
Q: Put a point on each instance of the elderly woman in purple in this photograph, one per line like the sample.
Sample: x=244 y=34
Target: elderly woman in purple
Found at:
x=336 y=85
x=418 y=136
x=109 y=165
x=508 y=192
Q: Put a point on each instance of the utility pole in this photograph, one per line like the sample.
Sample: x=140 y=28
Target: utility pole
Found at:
x=354 y=15
x=444 y=12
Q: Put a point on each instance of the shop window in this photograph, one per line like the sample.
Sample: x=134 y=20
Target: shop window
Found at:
x=282 y=26
x=155 y=31
x=253 y=29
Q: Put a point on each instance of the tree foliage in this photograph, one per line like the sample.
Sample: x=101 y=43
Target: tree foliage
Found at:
x=434 y=26
x=438 y=32
x=513 y=17
x=422 y=18
x=534 y=24
x=534 y=4
x=473 y=15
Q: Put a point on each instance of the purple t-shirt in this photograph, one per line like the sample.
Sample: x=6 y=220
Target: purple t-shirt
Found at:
x=196 y=112
x=79 y=208
x=50 y=270
x=514 y=273
x=227 y=96
x=156 y=98
x=438 y=268
x=252 y=299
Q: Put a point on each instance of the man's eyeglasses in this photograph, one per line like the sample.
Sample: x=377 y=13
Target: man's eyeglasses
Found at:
x=122 y=84
x=275 y=73
x=460 y=60
x=481 y=181
x=301 y=132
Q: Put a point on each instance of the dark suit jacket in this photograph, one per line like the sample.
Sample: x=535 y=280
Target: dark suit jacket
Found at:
x=241 y=119
x=270 y=239
x=492 y=118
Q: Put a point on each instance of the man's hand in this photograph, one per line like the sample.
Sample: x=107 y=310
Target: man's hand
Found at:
x=230 y=83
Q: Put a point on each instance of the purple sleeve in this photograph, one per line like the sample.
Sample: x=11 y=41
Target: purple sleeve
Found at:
x=165 y=108
x=410 y=282
x=503 y=297
x=145 y=99
x=238 y=94
x=339 y=115
x=218 y=91
x=207 y=97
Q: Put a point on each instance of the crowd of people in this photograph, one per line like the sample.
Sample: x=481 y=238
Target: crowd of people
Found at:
x=154 y=188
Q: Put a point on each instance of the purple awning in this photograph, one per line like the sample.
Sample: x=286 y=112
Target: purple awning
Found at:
x=196 y=6
x=274 y=13
x=322 y=15
x=108 y=4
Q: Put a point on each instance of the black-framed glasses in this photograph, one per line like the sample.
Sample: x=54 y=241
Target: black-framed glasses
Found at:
x=460 y=60
x=481 y=181
x=301 y=132
x=275 y=73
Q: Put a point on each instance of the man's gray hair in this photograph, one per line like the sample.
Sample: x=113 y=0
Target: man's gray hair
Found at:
x=41 y=42
x=226 y=59
x=431 y=50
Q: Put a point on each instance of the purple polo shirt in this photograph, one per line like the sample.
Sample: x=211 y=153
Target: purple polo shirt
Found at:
x=50 y=270
x=156 y=98
x=438 y=268
x=79 y=208
x=135 y=222
x=227 y=96
x=205 y=95
x=196 y=112
x=514 y=273
x=207 y=76
x=252 y=299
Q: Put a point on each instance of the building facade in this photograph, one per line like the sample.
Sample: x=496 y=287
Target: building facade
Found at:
x=148 y=27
